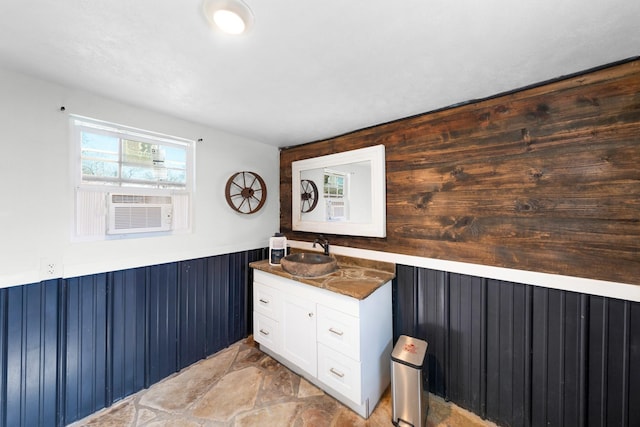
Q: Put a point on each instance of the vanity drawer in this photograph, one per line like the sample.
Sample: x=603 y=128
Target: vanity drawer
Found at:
x=266 y=331
x=339 y=331
x=266 y=300
x=340 y=372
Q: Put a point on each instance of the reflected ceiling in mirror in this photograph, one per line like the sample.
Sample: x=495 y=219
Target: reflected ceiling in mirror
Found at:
x=342 y=193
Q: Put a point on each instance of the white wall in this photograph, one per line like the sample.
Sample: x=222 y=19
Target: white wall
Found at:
x=359 y=191
x=36 y=204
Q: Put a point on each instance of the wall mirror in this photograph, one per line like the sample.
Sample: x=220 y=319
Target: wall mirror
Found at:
x=342 y=193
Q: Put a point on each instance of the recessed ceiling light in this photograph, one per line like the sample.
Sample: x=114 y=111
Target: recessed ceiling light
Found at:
x=228 y=16
x=229 y=21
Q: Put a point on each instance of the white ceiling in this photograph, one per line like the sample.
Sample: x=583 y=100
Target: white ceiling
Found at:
x=311 y=69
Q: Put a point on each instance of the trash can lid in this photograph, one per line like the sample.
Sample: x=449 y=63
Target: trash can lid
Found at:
x=410 y=351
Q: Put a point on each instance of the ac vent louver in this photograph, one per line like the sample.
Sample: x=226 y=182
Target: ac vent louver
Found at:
x=132 y=213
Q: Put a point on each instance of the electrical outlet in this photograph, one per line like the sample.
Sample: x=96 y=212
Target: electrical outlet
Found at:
x=49 y=268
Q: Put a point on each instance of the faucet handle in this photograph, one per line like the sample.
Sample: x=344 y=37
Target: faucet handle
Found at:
x=324 y=242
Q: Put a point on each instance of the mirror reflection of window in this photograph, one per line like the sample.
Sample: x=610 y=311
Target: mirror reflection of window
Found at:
x=335 y=192
x=334 y=183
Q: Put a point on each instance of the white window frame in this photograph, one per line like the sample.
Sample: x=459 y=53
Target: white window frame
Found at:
x=79 y=123
x=344 y=187
x=90 y=206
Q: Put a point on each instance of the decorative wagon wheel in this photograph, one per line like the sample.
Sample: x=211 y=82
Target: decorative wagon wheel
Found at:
x=246 y=192
x=308 y=196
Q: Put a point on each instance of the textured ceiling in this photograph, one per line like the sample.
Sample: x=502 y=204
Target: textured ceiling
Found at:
x=311 y=69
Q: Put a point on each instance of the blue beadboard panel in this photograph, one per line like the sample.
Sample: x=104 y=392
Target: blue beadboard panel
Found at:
x=633 y=403
x=254 y=255
x=71 y=347
x=126 y=333
x=238 y=269
x=610 y=363
x=217 y=299
x=516 y=354
x=466 y=333
x=432 y=315
x=162 y=322
x=559 y=354
x=86 y=346
x=404 y=293
x=523 y=355
x=30 y=345
x=507 y=349
x=3 y=355
x=236 y=326
x=192 y=309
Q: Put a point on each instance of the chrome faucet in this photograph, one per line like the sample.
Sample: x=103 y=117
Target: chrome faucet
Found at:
x=322 y=242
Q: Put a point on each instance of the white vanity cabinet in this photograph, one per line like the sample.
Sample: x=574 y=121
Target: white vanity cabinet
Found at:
x=341 y=344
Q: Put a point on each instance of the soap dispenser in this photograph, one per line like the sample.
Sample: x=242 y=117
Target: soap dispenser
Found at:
x=277 y=248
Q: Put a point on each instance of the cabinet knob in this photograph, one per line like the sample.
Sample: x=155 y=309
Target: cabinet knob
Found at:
x=264 y=301
x=311 y=314
x=263 y=332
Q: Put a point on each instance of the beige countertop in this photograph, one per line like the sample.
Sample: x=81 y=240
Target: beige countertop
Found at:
x=355 y=277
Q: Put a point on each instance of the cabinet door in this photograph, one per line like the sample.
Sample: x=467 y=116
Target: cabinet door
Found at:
x=298 y=327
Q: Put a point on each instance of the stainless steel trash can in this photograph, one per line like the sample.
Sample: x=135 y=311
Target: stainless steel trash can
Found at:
x=409 y=383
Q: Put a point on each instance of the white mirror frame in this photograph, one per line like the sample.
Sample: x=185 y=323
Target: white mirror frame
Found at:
x=378 y=225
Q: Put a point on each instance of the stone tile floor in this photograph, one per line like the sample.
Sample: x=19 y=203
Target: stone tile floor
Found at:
x=242 y=386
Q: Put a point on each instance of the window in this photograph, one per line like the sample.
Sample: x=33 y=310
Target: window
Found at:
x=335 y=194
x=334 y=183
x=113 y=161
x=118 y=156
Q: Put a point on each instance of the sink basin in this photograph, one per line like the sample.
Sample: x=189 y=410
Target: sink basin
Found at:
x=306 y=264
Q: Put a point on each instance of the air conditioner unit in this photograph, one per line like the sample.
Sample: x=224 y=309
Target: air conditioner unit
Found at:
x=131 y=213
x=336 y=210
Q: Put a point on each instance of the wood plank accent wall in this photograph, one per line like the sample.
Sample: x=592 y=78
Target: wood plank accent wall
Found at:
x=545 y=179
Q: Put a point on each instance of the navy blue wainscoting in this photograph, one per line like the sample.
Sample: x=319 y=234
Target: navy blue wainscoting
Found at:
x=70 y=347
x=524 y=355
x=29 y=321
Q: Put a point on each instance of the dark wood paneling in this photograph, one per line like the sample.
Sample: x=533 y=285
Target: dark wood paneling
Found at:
x=545 y=179
x=522 y=355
